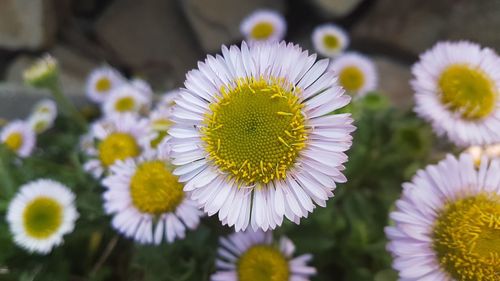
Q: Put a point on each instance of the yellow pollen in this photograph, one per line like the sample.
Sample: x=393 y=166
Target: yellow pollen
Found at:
x=466 y=238
x=351 y=78
x=263 y=263
x=42 y=217
x=468 y=91
x=125 y=104
x=14 y=141
x=262 y=30
x=103 y=85
x=331 y=41
x=247 y=133
x=117 y=146
x=154 y=189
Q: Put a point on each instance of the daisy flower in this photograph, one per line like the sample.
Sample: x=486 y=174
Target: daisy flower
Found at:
x=43 y=72
x=126 y=99
x=43 y=115
x=456 y=88
x=357 y=73
x=447 y=223
x=263 y=26
x=101 y=82
x=167 y=100
x=254 y=139
x=41 y=213
x=159 y=121
x=19 y=137
x=147 y=201
x=115 y=138
x=250 y=256
x=143 y=87
x=329 y=40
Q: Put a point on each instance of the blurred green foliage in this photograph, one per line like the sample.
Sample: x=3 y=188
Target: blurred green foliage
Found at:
x=346 y=238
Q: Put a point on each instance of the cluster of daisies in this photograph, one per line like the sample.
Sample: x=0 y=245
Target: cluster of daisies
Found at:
x=253 y=138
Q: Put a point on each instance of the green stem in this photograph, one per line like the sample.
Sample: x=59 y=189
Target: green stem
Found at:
x=66 y=106
x=7 y=182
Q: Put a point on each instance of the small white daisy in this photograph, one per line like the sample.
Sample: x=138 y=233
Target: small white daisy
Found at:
x=159 y=121
x=19 y=137
x=457 y=90
x=43 y=72
x=126 y=99
x=147 y=200
x=251 y=256
x=41 y=213
x=167 y=100
x=357 y=73
x=263 y=26
x=254 y=138
x=329 y=40
x=447 y=223
x=43 y=115
x=115 y=138
x=101 y=82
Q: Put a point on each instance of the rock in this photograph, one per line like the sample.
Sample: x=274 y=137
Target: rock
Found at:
x=217 y=22
x=74 y=69
x=16 y=100
x=416 y=25
x=336 y=8
x=152 y=38
x=394 y=81
x=27 y=24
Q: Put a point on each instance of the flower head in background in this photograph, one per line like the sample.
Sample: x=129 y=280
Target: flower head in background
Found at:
x=329 y=40
x=101 y=82
x=43 y=73
x=254 y=140
x=167 y=100
x=41 y=213
x=263 y=26
x=147 y=201
x=456 y=88
x=447 y=223
x=143 y=87
x=357 y=73
x=115 y=138
x=126 y=99
x=43 y=115
x=19 y=137
x=250 y=256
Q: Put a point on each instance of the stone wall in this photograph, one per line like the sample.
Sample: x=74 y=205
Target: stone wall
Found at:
x=160 y=40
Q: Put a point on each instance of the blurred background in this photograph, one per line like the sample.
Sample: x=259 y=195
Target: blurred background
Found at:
x=160 y=40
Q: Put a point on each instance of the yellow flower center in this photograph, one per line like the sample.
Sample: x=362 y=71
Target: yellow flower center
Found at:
x=42 y=217
x=103 y=85
x=468 y=91
x=125 y=104
x=467 y=238
x=262 y=30
x=351 y=78
x=154 y=189
x=14 y=141
x=117 y=146
x=331 y=41
x=263 y=263
x=255 y=130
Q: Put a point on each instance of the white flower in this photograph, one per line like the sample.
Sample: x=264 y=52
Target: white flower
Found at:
x=101 y=82
x=115 y=138
x=447 y=222
x=43 y=115
x=167 y=100
x=329 y=40
x=147 y=201
x=19 y=137
x=143 y=87
x=43 y=72
x=263 y=26
x=357 y=73
x=41 y=213
x=249 y=256
x=254 y=139
x=127 y=99
x=457 y=90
